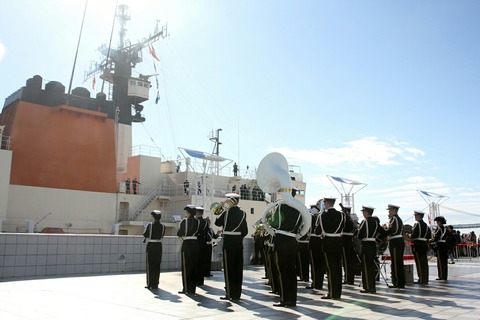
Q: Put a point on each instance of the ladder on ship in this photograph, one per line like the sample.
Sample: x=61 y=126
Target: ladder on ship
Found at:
x=145 y=202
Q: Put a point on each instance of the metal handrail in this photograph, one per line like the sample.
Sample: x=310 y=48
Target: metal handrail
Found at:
x=5 y=143
x=134 y=213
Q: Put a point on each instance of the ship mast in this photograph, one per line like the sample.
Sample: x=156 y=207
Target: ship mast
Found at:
x=127 y=92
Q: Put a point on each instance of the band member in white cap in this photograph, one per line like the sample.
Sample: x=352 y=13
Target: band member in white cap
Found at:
x=440 y=238
x=153 y=235
x=233 y=221
x=369 y=230
x=330 y=226
x=396 y=246
x=188 y=233
x=421 y=234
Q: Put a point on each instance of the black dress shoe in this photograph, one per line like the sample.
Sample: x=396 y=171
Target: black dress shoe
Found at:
x=284 y=304
x=280 y=304
x=396 y=287
x=326 y=297
x=309 y=287
x=181 y=292
x=368 y=291
x=209 y=275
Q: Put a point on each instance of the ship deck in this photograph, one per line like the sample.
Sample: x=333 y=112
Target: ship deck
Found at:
x=124 y=297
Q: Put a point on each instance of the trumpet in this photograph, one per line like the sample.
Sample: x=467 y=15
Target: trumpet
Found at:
x=217 y=208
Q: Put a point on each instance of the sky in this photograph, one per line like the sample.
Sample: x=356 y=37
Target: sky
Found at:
x=381 y=92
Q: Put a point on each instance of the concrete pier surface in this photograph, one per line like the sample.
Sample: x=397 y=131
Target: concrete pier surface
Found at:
x=123 y=296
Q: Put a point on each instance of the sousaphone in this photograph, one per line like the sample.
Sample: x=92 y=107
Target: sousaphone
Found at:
x=273 y=176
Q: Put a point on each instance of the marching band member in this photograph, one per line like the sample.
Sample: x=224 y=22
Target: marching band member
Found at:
x=421 y=234
x=348 y=252
x=330 y=225
x=202 y=245
x=188 y=233
x=396 y=246
x=258 y=245
x=440 y=238
x=233 y=221
x=211 y=235
x=270 y=259
x=153 y=235
x=286 y=222
x=303 y=260
x=315 y=249
x=368 y=231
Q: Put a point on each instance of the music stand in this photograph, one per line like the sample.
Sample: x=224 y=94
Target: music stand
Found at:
x=380 y=262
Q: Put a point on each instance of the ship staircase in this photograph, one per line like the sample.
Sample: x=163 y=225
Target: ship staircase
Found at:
x=138 y=209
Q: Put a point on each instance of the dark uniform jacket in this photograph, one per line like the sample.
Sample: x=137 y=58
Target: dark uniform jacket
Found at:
x=369 y=230
x=421 y=233
x=189 y=227
x=289 y=219
x=441 y=234
x=330 y=225
x=234 y=223
x=395 y=228
x=154 y=231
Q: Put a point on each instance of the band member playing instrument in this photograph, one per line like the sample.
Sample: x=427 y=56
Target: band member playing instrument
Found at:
x=153 y=235
x=189 y=227
x=440 y=236
x=303 y=260
x=317 y=259
x=233 y=221
x=396 y=246
x=368 y=231
x=286 y=222
x=258 y=245
x=272 y=273
x=421 y=233
x=349 y=254
x=330 y=226
x=270 y=265
x=210 y=236
x=202 y=245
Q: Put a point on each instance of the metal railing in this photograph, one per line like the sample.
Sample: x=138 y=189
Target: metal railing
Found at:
x=149 y=197
x=5 y=143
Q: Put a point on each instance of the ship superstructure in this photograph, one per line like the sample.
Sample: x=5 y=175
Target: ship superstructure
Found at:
x=68 y=158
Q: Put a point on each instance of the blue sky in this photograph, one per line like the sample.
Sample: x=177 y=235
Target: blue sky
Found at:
x=383 y=92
